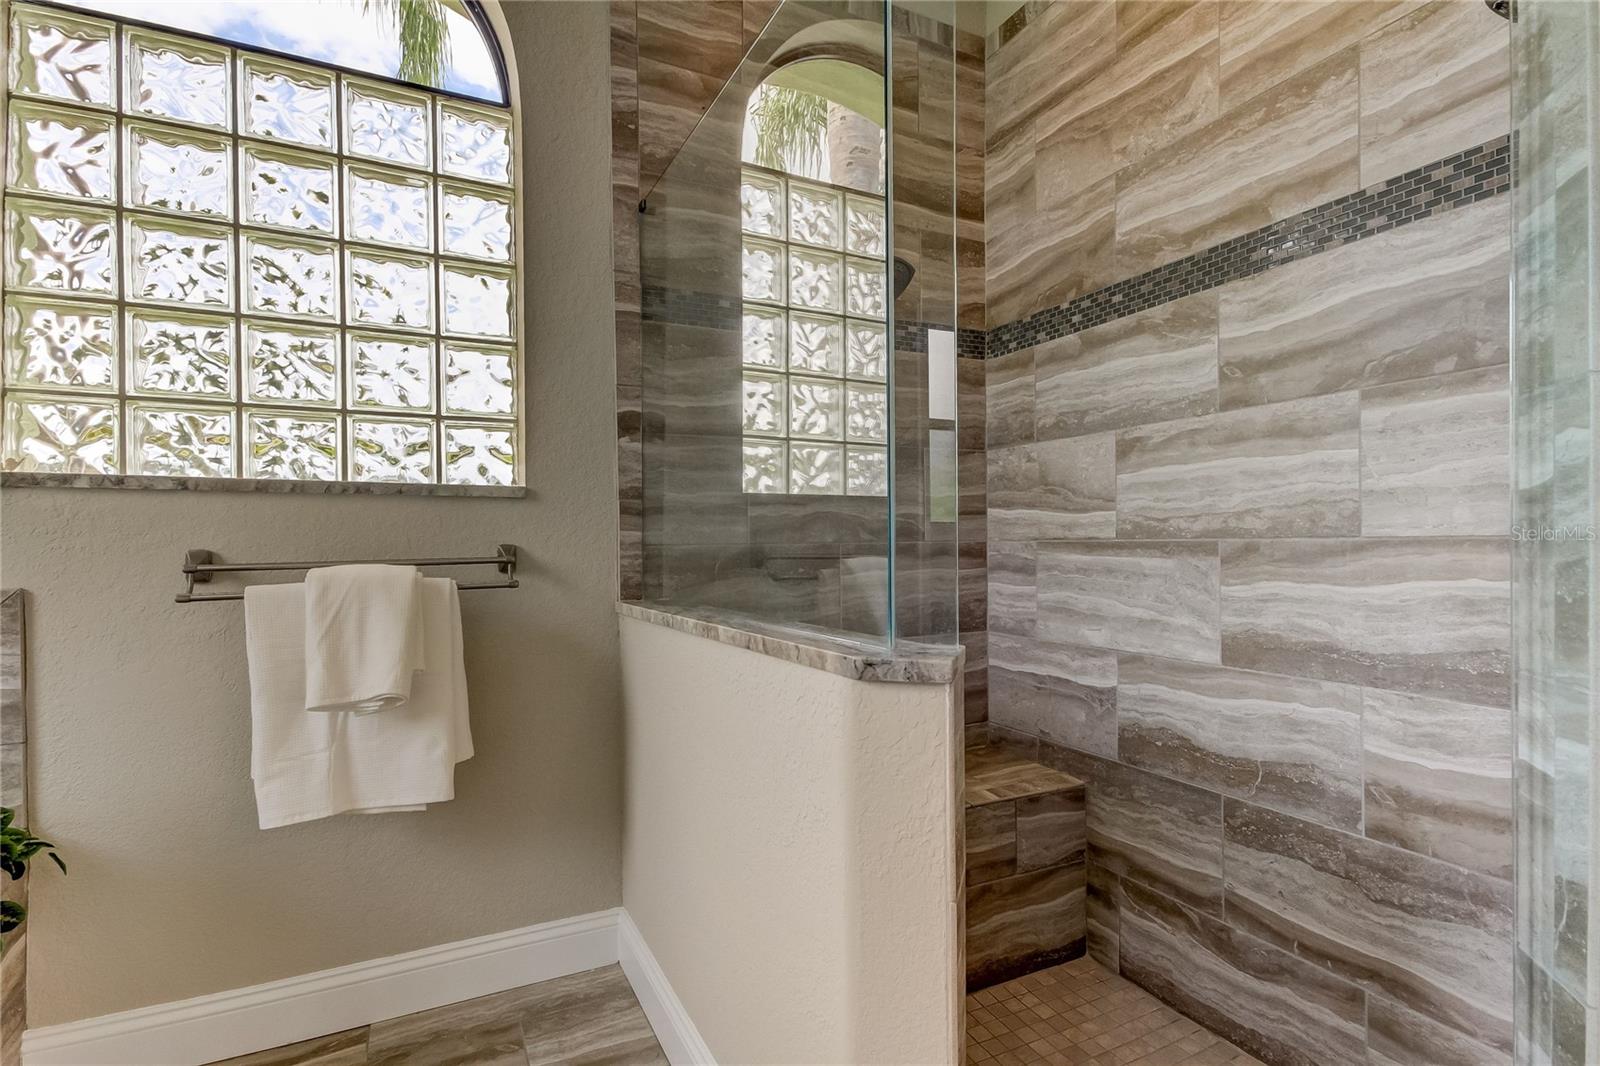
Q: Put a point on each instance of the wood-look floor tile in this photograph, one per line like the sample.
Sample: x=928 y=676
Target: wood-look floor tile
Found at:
x=348 y=1048
x=589 y=1017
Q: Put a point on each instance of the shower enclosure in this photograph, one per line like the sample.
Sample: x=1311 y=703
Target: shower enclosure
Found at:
x=798 y=285
x=1556 y=577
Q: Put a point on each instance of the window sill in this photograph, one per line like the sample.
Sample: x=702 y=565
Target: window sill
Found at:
x=14 y=480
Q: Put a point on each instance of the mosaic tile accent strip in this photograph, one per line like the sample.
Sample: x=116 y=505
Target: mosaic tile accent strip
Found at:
x=971 y=343
x=1464 y=178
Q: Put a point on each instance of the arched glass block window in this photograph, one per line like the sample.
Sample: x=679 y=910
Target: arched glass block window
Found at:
x=815 y=349
x=222 y=262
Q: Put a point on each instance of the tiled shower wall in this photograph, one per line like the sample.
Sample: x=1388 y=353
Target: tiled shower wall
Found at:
x=1247 y=503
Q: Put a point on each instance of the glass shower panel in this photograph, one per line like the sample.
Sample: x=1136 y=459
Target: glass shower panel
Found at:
x=778 y=414
x=1556 y=101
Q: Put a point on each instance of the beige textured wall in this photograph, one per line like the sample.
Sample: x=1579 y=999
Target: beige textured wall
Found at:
x=790 y=852
x=141 y=741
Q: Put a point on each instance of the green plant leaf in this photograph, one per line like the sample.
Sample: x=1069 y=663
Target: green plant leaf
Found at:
x=424 y=33
x=11 y=914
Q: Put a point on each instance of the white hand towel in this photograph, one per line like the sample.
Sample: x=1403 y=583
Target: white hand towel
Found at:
x=290 y=750
x=363 y=637
x=308 y=765
x=407 y=754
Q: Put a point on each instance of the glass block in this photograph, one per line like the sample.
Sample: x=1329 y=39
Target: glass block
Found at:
x=866 y=413
x=475 y=222
x=479 y=380
x=392 y=372
x=866 y=351
x=763 y=404
x=475 y=142
x=56 y=150
x=288 y=189
x=864 y=227
x=816 y=469
x=865 y=288
x=60 y=435
x=179 y=262
x=180 y=441
x=177 y=78
x=763 y=337
x=388 y=207
x=763 y=466
x=479 y=455
x=173 y=352
x=761 y=204
x=763 y=271
x=384 y=122
x=816 y=408
x=71 y=346
x=384 y=449
x=286 y=276
x=477 y=301
x=815 y=280
x=816 y=344
x=389 y=290
x=63 y=57
x=814 y=215
x=60 y=249
x=285 y=102
x=867 y=472
x=296 y=365
x=178 y=170
x=292 y=446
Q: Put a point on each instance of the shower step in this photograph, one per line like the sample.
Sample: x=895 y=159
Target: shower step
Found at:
x=1026 y=836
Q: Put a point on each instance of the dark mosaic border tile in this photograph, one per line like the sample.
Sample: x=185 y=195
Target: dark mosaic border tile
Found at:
x=1466 y=177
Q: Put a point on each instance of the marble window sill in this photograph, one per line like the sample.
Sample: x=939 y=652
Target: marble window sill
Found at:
x=14 y=480
x=907 y=662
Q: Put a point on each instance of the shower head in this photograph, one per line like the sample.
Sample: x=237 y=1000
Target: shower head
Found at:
x=903 y=273
x=1503 y=8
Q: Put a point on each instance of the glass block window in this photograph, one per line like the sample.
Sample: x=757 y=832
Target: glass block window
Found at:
x=815 y=349
x=223 y=264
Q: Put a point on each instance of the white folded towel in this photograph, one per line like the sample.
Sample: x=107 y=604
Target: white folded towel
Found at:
x=313 y=764
x=363 y=636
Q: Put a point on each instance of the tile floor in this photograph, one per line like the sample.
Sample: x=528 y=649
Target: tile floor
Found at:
x=1082 y=1014
x=588 y=1018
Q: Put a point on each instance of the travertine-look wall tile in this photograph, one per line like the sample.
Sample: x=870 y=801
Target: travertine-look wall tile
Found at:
x=686 y=52
x=1283 y=742
x=991 y=841
x=1427 y=298
x=1009 y=393
x=1064 y=694
x=1148 y=597
x=1288 y=1011
x=1283 y=470
x=1293 y=147
x=1052 y=829
x=1399 y=1036
x=1069 y=45
x=1267 y=41
x=1158 y=832
x=1103 y=901
x=1438 y=778
x=1430 y=616
x=1433 y=83
x=1435 y=456
x=1013 y=588
x=1431 y=935
x=1053 y=490
x=1019 y=924
x=1153 y=366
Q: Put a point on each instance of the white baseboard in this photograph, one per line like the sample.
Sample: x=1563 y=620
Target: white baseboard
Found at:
x=206 y=1028
x=675 y=1030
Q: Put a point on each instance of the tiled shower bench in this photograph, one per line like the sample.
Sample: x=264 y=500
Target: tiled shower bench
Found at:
x=1026 y=839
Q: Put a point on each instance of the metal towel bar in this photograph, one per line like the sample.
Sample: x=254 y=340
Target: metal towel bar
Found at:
x=199 y=565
